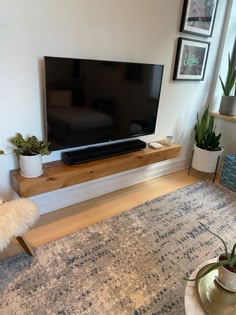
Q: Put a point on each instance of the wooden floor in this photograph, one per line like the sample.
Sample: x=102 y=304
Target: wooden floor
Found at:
x=62 y=222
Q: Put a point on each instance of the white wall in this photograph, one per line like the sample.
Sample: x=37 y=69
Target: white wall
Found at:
x=126 y=30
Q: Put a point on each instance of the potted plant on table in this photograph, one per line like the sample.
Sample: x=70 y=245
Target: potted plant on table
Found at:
x=207 y=150
x=228 y=99
x=30 y=151
x=226 y=265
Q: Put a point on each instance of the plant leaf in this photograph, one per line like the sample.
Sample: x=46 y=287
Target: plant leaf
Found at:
x=233 y=252
x=211 y=268
x=230 y=77
x=225 y=247
x=223 y=87
x=205 y=136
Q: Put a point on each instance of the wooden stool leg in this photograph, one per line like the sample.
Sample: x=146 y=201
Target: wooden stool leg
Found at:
x=24 y=244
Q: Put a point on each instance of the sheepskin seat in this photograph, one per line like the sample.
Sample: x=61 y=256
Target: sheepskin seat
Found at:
x=16 y=217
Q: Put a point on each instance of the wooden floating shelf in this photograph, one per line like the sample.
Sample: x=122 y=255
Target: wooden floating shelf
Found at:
x=59 y=175
x=223 y=117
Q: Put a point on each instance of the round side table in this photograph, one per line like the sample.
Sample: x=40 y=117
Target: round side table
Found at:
x=191 y=302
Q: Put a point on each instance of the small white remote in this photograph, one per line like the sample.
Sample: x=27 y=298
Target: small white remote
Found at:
x=155 y=145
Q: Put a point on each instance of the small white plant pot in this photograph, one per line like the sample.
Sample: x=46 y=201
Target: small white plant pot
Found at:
x=205 y=161
x=31 y=166
x=227 y=279
x=228 y=105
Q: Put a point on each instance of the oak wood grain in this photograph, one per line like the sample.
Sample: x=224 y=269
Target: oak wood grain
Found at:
x=59 y=175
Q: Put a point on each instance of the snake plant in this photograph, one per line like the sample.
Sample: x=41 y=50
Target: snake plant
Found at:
x=228 y=261
x=29 y=146
x=205 y=136
x=230 y=82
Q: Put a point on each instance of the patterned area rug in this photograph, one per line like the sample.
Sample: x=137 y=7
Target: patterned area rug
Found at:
x=130 y=264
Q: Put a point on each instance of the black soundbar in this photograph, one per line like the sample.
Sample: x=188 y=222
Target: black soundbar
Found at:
x=99 y=152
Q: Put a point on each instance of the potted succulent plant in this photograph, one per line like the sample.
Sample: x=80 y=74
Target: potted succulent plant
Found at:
x=30 y=151
x=228 y=100
x=226 y=265
x=207 y=150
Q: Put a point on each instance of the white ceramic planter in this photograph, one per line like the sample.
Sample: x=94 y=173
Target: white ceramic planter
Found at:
x=227 y=279
x=31 y=166
x=205 y=161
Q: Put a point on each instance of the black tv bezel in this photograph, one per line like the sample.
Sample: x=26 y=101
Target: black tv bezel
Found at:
x=97 y=143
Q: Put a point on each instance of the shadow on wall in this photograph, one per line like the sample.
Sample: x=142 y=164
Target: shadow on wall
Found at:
x=181 y=133
x=8 y=162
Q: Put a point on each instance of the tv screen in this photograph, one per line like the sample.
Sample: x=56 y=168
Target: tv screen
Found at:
x=95 y=101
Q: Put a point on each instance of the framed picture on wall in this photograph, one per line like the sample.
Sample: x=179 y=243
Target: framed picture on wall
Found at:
x=198 y=17
x=191 y=59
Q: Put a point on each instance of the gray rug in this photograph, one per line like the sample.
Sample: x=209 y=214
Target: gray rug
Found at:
x=130 y=264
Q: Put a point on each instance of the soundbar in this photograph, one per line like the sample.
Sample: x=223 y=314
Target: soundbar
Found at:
x=103 y=151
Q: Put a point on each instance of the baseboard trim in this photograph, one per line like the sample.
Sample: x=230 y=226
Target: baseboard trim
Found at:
x=61 y=198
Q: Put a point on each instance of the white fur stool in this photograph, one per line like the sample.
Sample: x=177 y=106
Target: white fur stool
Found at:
x=16 y=217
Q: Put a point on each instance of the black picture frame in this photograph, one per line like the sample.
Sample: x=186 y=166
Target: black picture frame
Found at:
x=191 y=59
x=198 y=17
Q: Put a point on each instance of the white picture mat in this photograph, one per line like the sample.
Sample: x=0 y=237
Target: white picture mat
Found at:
x=199 y=30
x=193 y=44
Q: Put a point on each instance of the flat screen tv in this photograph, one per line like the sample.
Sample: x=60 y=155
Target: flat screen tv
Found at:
x=94 y=101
